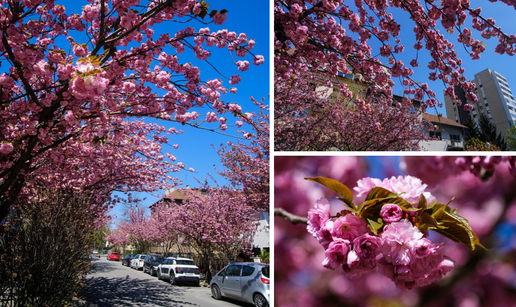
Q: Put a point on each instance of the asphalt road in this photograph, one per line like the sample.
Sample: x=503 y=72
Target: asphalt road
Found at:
x=110 y=283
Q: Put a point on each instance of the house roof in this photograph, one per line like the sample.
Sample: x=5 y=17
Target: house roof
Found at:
x=442 y=120
x=180 y=193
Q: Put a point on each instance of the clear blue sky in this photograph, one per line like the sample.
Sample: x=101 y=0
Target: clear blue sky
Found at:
x=195 y=148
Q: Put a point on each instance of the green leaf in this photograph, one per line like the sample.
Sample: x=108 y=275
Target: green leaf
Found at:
x=212 y=13
x=430 y=205
x=427 y=219
x=422 y=202
x=372 y=208
x=386 y=197
x=454 y=226
x=375 y=226
x=336 y=187
x=342 y=213
x=379 y=192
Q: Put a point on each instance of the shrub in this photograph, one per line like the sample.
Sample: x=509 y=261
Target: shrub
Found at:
x=44 y=250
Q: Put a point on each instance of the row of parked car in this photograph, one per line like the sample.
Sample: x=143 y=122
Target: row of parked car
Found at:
x=244 y=281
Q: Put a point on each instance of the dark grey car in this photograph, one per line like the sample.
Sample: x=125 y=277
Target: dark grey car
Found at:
x=127 y=259
x=151 y=262
x=244 y=281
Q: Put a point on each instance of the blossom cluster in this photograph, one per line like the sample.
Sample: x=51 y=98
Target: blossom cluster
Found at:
x=410 y=186
x=398 y=249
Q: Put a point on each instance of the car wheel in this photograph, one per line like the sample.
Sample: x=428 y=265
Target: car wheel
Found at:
x=260 y=301
x=159 y=274
x=215 y=292
x=151 y=272
x=173 y=280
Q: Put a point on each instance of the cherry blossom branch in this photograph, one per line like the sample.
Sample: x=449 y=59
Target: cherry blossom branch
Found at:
x=294 y=219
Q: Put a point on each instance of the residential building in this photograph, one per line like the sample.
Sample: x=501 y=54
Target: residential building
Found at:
x=447 y=137
x=178 y=196
x=495 y=100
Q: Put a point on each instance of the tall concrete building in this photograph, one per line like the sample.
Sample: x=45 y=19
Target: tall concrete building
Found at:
x=495 y=100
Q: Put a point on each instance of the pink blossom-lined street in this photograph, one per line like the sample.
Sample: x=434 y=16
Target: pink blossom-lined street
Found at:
x=111 y=284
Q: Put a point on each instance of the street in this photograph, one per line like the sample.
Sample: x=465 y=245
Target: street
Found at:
x=111 y=284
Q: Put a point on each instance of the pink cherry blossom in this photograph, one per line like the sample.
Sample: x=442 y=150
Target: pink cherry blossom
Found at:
x=336 y=254
x=258 y=60
x=391 y=213
x=398 y=240
x=409 y=188
x=219 y=18
x=318 y=216
x=6 y=148
x=349 y=227
x=242 y=65
x=367 y=247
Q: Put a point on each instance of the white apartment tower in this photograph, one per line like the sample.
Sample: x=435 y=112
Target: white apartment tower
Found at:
x=495 y=100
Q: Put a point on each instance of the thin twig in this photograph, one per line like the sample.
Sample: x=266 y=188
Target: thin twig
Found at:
x=294 y=219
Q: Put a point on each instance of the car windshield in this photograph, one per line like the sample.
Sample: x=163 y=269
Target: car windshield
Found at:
x=189 y=262
x=157 y=258
x=265 y=271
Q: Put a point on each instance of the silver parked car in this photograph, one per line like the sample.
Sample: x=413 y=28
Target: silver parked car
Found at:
x=244 y=281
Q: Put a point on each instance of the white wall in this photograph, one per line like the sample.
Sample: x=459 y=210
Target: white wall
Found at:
x=261 y=237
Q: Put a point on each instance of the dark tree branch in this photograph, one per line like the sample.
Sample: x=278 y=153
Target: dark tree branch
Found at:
x=294 y=219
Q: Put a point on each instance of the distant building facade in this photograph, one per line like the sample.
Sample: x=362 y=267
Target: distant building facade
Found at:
x=449 y=135
x=495 y=100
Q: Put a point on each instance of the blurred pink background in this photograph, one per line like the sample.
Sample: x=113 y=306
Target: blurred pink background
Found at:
x=485 y=194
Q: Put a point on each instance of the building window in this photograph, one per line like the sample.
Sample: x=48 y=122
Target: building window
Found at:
x=500 y=76
x=436 y=134
x=455 y=137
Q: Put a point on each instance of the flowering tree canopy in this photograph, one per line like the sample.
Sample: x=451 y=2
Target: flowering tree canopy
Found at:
x=319 y=40
x=220 y=217
x=307 y=121
x=74 y=85
x=247 y=165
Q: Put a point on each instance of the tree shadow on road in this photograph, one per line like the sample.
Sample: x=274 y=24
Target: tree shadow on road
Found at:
x=105 y=267
x=125 y=291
